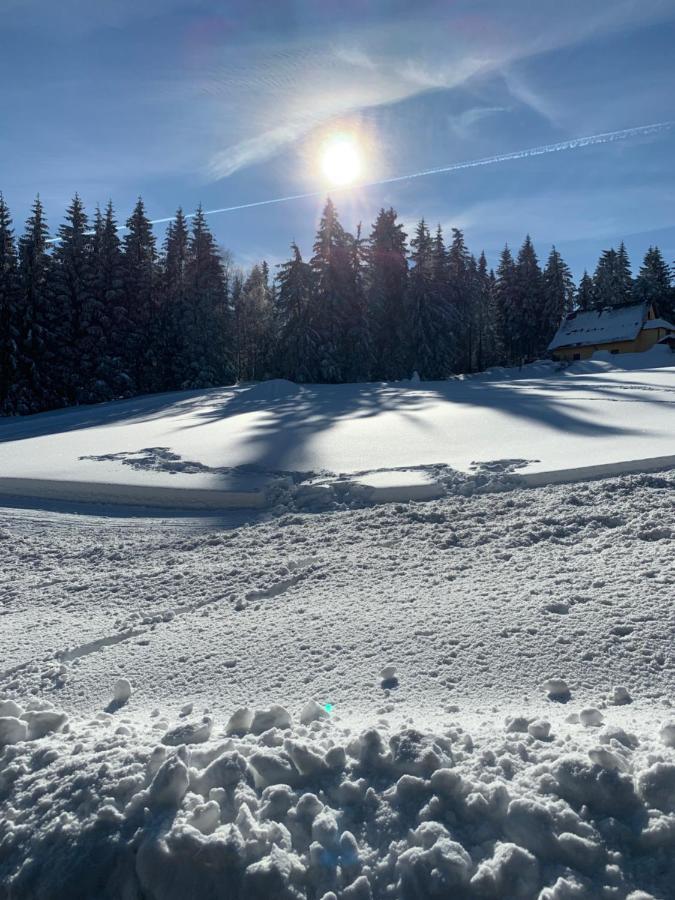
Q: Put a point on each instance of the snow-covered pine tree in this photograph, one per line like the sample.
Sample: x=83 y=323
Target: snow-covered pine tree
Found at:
x=356 y=347
x=112 y=331
x=529 y=302
x=208 y=331
x=73 y=308
x=652 y=284
x=140 y=286
x=461 y=297
x=585 y=295
x=174 y=311
x=506 y=303
x=254 y=317
x=9 y=311
x=430 y=323
x=485 y=323
x=624 y=277
x=558 y=299
x=612 y=282
x=386 y=286
x=297 y=354
x=33 y=390
x=333 y=281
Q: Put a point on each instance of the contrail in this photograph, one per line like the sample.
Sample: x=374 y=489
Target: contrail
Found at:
x=573 y=144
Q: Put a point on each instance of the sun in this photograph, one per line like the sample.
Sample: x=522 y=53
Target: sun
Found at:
x=341 y=159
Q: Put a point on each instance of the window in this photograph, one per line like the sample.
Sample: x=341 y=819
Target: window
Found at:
x=576 y=356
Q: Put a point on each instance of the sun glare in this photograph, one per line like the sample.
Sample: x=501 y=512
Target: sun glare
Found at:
x=341 y=159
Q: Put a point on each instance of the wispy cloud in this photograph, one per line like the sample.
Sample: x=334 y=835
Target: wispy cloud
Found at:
x=273 y=97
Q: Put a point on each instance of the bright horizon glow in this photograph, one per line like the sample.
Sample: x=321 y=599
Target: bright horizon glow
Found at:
x=341 y=160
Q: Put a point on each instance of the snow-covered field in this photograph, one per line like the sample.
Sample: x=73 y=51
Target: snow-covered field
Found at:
x=245 y=446
x=464 y=696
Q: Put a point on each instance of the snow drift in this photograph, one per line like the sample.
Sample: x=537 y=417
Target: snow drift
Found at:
x=110 y=808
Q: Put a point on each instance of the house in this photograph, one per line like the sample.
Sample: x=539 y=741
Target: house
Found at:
x=621 y=329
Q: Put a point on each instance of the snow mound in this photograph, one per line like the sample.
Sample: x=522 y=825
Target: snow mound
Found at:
x=274 y=389
x=100 y=809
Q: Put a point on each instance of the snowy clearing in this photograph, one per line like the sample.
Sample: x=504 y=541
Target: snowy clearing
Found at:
x=251 y=445
x=491 y=676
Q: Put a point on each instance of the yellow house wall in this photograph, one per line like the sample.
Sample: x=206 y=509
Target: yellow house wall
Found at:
x=644 y=341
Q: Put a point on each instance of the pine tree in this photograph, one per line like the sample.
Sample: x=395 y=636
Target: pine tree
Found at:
x=112 y=331
x=430 y=321
x=624 y=277
x=33 y=390
x=386 y=286
x=74 y=308
x=297 y=357
x=653 y=283
x=333 y=282
x=140 y=286
x=585 y=297
x=486 y=350
x=612 y=282
x=207 y=330
x=174 y=310
x=356 y=348
x=461 y=290
x=506 y=302
x=9 y=310
x=529 y=303
x=558 y=297
x=254 y=316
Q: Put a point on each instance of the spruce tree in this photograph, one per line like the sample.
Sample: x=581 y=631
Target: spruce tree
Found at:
x=254 y=317
x=529 y=303
x=461 y=291
x=9 y=311
x=585 y=296
x=74 y=313
x=297 y=357
x=207 y=330
x=653 y=283
x=485 y=322
x=506 y=302
x=356 y=348
x=112 y=333
x=174 y=309
x=624 y=277
x=386 y=286
x=333 y=276
x=140 y=286
x=35 y=345
x=612 y=282
x=430 y=322
x=558 y=296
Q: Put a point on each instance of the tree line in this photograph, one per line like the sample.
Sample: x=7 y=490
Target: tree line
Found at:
x=95 y=315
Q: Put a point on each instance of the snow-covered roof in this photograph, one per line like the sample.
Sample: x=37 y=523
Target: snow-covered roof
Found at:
x=600 y=326
x=659 y=323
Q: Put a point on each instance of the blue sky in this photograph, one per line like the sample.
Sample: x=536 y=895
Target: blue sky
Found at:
x=224 y=103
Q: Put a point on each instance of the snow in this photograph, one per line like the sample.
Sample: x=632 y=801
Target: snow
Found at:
x=317 y=446
x=469 y=696
x=600 y=326
x=346 y=693
x=658 y=323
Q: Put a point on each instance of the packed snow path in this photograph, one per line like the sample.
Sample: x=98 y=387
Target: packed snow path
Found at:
x=452 y=762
